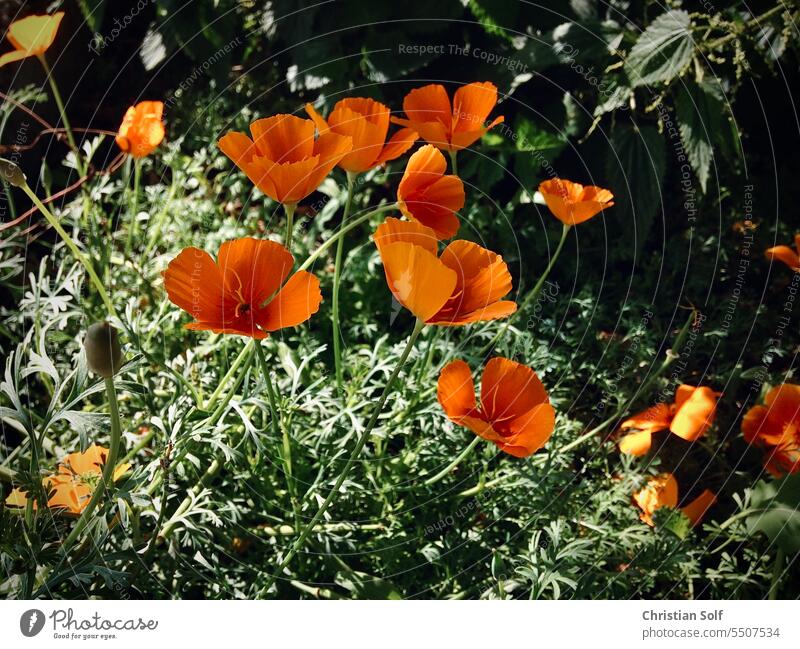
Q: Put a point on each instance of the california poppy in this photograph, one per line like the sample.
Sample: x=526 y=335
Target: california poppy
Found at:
x=450 y=127
x=515 y=412
x=689 y=417
x=572 y=203
x=31 y=36
x=283 y=159
x=142 y=129
x=785 y=254
x=243 y=292
x=366 y=121
x=426 y=195
x=775 y=427
x=462 y=285
x=662 y=491
x=72 y=486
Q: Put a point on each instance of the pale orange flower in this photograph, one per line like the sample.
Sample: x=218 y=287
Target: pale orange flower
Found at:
x=427 y=195
x=450 y=127
x=72 y=486
x=689 y=417
x=515 y=412
x=142 y=129
x=284 y=159
x=775 y=427
x=785 y=254
x=31 y=36
x=366 y=121
x=465 y=284
x=572 y=203
x=662 y=491
x=245 y=291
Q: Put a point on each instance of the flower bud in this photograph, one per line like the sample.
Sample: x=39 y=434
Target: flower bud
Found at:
x=103 y=353
x=11 y=173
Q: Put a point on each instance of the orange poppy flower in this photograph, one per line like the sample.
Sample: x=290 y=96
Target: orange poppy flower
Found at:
x=572 y=203
x=452 y=128
x=775 y=427
x=142 y=129
x=283 y=159
x=31 y=36
x=243 y=292
x=689 y=417
x=72 y=486
x=662 y=491
x=785 y=254
x=426 y=195
x=463 y=285
x=515 y=412
x=366 y=121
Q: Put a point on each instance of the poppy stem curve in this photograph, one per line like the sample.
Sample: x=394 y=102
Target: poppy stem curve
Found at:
x=453 y=162
x=79 y=256
x=362 y=441
x=459 y=458
x=337 y=276
x=534 y=293
x=133 y=226
x=777 y=573
x=62 y=111
x=107 y=478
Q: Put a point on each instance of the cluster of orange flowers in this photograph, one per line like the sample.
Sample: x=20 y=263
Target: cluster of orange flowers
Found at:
x=250 y=289
x=71 y=487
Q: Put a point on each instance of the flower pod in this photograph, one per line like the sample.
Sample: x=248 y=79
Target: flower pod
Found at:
x=103 y=352
x=11 y=173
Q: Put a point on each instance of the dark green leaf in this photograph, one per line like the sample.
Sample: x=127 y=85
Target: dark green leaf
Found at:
x=778 y=505
x=662 y=51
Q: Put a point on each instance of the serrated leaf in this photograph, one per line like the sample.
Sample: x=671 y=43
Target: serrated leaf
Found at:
x=662 y=51
x=701 y=113
x=673 y=521
x=778 y=515
x=635 y=175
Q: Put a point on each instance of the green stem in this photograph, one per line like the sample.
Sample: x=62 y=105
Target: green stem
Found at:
x=133 y=226
x=777 y=571
x=337 y=275
x=216 y=465
x=277 y=427
x=461 y=456
x=79 y=256
x=289 y=208
x=244 y=355
x=342 y=232
x=453 y=162
x=107 y=480
x=300 y=541
x=62 y=111
x=534 y=293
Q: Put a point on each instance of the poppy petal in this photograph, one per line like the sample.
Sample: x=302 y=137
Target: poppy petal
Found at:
x=319 y=120
x=652 y=419
x=781 y=253
x=636 y=443
x=397 y=145
x=510 y=390
x=296 y=302
x=696 y=509
x=417 y=279
x=695 y=415
x=456 y=390
x=530 y=431
x=394 y=230
x=194 y=283
x=253 y=269
x=284 y=138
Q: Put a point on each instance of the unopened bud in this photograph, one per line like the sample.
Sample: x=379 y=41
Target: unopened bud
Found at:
x=103 y=353
x=11 y=173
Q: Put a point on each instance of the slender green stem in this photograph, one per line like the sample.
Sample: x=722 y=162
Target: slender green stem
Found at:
x=777 y=571
x=459 y=458
x=337 y=275
x=216 y=464
x=300 y=541
x=107 y=480
x=342 y=232
x=453 y=162
x=243 y=356
x=277 y=427
x=62 y=112
x=534 y=293
x=79 y=256
x=133 y=225
x=289 y=209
